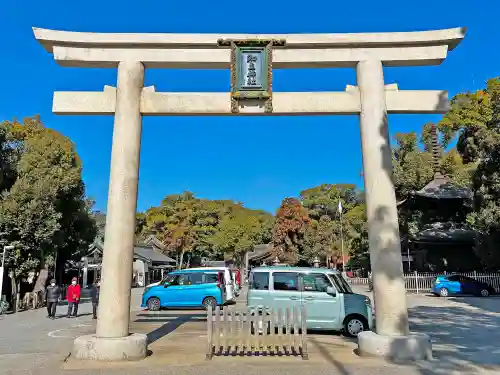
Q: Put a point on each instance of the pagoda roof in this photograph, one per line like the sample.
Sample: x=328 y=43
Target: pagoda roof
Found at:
x=442 y=188
x=445 y=232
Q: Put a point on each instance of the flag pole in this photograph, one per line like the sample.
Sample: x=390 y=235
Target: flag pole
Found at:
x=342 y=238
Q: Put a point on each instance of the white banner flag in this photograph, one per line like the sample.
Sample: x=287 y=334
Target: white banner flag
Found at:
x=340 y=207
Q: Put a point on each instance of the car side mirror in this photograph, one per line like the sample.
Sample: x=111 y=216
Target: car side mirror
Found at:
x=331 y=291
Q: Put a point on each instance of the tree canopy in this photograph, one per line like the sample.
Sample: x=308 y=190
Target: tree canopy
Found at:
x=200 y=228
x=475 y=117
x=43 y=208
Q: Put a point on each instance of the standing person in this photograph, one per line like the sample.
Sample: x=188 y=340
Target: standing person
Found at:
x=52 y=294
x=73 y=297
x=94 y=294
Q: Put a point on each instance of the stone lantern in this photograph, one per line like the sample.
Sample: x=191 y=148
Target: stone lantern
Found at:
x=276 y=261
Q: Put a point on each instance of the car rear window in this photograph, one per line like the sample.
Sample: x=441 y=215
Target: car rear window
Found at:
x=211 y=278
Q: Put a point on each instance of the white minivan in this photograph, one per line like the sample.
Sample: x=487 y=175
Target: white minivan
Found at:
x=228 y=280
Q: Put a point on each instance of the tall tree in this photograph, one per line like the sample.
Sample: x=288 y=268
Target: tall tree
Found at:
x=323 y=237
x=240 y=230
x=321 y=240
x=485 y=146
x=289 y=230
x=324 y=199
x=412 y=167
x=194 y=228
x=45 y=211
x=357 y=237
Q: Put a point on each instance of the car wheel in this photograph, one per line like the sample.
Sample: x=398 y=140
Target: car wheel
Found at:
x=354 y=325
x=443 y=292
x=209 y=302
x=153 y=304
x=485 y=292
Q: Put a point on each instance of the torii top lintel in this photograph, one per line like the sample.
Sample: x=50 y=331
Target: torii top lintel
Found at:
x=202 y=50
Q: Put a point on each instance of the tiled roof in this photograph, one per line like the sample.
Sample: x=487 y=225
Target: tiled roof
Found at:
x=146 y=252
x=442 y=188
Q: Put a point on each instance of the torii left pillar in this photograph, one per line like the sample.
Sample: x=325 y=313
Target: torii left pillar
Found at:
x=112 y=340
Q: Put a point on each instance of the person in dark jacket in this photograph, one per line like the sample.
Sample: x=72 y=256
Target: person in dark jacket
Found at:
x=94 y=294
x=52 y=294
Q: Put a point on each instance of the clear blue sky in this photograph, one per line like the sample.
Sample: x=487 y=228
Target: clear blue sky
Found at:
x=258 y=161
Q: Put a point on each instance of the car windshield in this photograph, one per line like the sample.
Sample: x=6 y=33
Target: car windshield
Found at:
x=340 y=284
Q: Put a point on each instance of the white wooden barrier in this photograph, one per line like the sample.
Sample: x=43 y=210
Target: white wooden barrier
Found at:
x=256 y=331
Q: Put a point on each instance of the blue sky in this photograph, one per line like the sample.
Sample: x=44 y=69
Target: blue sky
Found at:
x=258 y=161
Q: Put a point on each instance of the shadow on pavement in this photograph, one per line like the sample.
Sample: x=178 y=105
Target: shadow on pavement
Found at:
x=463 y=340
x=172 y=322
x=325 y=353
x=491 y=303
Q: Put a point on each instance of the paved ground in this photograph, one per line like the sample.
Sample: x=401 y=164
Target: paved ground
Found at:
x=465 y=333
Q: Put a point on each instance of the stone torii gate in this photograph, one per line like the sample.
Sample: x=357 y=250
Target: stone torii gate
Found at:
x=251 y=60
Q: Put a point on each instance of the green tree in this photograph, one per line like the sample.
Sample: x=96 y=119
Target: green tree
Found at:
x=240 y=230
x=323 y=235
x=324 y=199
x=412 y=167
x=45 y=211
x=321 y=240
x=470 y=117
x=8 y=159
x=195 y=228
x=357 y=237
x=486 y=178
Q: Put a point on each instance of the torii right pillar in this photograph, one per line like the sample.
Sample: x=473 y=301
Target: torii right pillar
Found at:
x=391 y=338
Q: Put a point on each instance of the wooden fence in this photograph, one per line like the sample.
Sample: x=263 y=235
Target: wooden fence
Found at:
x=421 y=282
x=256 y=331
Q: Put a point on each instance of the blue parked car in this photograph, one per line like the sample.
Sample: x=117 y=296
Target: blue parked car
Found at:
x=446 y=285
x=186 y=288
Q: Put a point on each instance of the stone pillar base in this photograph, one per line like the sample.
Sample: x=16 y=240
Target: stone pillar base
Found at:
x=414 y=347
x=130 y=348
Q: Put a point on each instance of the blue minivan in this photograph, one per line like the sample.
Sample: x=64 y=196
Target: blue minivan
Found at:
x=186 y=288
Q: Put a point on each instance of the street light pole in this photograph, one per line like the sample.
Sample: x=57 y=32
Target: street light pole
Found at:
x=5 y=248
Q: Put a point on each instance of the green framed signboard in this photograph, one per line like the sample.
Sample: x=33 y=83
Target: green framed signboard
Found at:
x=251 y=70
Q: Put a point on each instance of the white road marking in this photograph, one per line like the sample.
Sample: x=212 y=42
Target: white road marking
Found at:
x=54 y=334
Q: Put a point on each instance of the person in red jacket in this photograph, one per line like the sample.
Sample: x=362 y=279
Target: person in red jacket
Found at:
x=73 y=296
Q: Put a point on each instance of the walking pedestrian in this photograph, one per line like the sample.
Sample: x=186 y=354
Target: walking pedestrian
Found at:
x=73 y=298
x=94 y=294
x=52 y=294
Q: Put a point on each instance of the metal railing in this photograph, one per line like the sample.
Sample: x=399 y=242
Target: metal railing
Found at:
x=421 y=282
